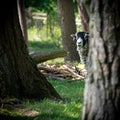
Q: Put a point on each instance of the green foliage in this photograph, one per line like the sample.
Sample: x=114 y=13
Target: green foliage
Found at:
x=46 y=46
x=42 y=5
x=46 y=6
x=38 y=40
x=51 y=28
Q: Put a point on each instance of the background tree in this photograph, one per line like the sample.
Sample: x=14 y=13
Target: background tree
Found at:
x=68 y=27
x=22 y=20
x=102 y=86
x=50 y=8
x=83 y=15
x=19 y=76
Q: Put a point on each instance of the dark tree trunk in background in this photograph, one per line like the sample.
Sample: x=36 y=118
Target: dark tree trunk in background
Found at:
x=102 y=86
x=68 y=27
x=19 y=76
x=22 y=20
x=83 y=15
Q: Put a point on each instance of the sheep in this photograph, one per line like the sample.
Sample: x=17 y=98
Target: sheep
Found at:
x=82 y=45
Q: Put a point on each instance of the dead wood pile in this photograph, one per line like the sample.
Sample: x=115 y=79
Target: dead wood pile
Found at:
x=63 y=71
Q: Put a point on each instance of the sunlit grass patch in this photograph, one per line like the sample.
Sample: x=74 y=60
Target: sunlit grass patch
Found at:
x=40 y=40
x=45 y=46
x=68 y=109
x=56 y=110
x=71 y=91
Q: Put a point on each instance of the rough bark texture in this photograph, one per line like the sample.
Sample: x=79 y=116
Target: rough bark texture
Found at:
x=102 y=87
x=19 y=76
x=84 y=16
x=68 y=27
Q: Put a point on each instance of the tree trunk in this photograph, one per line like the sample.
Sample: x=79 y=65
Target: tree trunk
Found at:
x=19 y=76
x=102 y=86
x=83 y=15
x=68 y=27
x=22 y=20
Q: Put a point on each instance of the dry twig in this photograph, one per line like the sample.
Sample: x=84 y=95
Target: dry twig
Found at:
x=66 y=72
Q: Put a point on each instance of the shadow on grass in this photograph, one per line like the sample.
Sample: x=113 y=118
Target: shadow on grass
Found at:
x=39 y=117
x=9 y=117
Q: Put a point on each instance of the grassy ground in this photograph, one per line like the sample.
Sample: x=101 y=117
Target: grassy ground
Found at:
x=69 y=109
x=72 y=92
x=44 y=46
x=40 y=41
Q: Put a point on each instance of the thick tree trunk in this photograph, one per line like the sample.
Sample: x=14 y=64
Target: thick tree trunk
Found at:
x=102 y=87
x=68 y=27
x=19 y=76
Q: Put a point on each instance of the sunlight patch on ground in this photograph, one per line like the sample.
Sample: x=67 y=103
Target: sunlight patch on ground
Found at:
x=28 y=112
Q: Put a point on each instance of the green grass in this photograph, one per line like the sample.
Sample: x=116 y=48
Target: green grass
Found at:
x=72 y=92
x=40 y=40
x=68 y=109
x=46 y=46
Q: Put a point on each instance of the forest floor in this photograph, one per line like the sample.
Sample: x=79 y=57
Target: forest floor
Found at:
x=66 y=78
x=68 y=109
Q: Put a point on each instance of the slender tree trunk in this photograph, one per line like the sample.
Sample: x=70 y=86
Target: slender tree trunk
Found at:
x=102 y=86
x=19 y=76
x=68 y=27
x=22 y=20
x=83 y=15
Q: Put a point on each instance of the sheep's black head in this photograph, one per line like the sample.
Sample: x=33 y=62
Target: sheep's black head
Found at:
x=81 y=38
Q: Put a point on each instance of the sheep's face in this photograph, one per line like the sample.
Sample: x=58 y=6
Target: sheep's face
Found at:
x=81 y=38
x=81 y=44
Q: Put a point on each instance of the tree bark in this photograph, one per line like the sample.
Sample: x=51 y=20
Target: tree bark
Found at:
x=22 y=20
x=19 y=76
x=68 y=27
x=102 y=86
x=84 y=16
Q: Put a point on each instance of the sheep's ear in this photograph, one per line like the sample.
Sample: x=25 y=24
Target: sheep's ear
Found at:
x=73 y=36
x=86 y=36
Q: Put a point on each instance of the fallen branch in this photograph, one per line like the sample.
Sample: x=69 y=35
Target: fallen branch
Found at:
x=62 y=72
x=55 y=70
x=70 y=70
x=39 y=58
